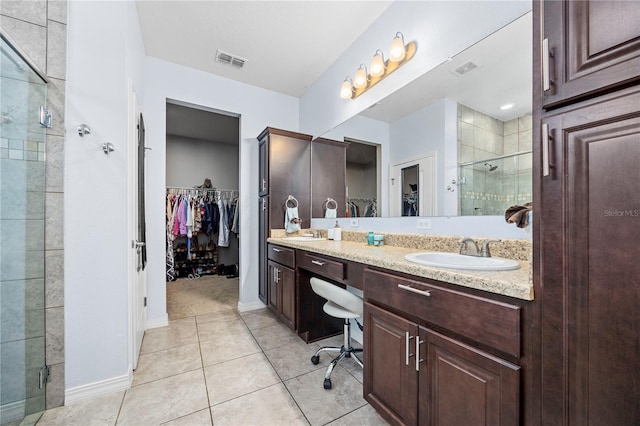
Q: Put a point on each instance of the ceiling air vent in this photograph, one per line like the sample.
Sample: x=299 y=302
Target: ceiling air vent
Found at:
x=229 y=59
x=464 y=69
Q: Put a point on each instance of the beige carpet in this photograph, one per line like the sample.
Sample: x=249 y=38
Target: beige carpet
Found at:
x=207 y=294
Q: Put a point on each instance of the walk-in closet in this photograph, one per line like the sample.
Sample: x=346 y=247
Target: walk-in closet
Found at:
x=202 y=211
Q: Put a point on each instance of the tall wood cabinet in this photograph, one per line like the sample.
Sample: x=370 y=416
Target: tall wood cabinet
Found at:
x=284 y=169
x=587 y=209
x=328 y=175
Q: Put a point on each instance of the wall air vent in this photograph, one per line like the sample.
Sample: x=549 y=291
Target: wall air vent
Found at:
x=229 y=59
x=464 y=69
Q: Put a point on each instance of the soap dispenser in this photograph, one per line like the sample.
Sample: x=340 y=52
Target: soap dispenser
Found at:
x=337 y=232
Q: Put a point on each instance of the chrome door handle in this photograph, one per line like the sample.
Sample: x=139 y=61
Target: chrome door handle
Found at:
x=264 y=205
x=137 y=244
x=415 y=290
x=418 y=359
x=317 y=262
x=277 y=250
x=407 y=337
x=546 y=79
x=264 y=184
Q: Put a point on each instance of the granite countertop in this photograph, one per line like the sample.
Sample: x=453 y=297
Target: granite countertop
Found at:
x=515 y=283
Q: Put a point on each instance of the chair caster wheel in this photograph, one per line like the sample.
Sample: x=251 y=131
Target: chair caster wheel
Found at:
x=315 y=359
x=327 y=383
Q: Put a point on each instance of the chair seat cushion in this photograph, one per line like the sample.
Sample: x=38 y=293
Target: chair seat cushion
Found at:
x=338 y=311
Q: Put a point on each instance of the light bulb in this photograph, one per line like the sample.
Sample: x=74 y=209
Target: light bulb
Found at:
x=397 y=50
x=377 y=64
x=346 y=90
x=360 y=79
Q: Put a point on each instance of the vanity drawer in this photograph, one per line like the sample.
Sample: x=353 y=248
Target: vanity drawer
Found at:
x=283 y=255
x=322 y=266
x=485 y=321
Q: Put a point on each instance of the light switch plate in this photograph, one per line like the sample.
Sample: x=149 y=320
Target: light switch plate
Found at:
x=424 y=223
x=354 y=223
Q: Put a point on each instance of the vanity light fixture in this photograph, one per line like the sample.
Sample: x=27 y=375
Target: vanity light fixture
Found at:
x=363 y=81
x=346 y=91
x=361 y=78
x=397 y=51
x=377 y=64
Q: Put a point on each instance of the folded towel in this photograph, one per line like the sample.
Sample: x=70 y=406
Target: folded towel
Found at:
x=519 y=215
x=291 y=217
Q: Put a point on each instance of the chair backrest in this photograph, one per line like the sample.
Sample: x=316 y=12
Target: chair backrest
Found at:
x=337 y=295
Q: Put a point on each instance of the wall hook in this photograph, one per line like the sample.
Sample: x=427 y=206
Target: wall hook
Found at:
x=84 y=129
x=107 y=147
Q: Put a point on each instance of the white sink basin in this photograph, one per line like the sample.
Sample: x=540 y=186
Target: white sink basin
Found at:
x=305 y=239
x=459 y=261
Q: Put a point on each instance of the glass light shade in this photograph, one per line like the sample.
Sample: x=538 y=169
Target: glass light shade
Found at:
x=346 y=91
x=377 y=65
x=360 y=79
x=397 y=50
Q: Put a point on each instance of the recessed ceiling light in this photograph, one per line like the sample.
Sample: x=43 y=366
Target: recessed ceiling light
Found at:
x=506 y=106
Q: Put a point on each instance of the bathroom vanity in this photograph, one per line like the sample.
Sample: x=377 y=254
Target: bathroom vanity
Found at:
x=441 y=346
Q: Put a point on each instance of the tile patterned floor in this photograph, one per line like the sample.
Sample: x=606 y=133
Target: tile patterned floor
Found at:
x=226 y=368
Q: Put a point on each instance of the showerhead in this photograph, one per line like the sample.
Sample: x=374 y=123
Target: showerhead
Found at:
x=491 y=168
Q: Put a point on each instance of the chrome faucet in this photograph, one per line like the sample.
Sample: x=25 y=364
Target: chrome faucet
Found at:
x=485 y=248
x=467 y=249
x=473 y=250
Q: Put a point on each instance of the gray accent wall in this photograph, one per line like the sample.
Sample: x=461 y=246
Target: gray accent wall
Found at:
x=39 y=27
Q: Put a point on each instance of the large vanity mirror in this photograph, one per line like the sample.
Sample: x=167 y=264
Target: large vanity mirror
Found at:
x=461 y=134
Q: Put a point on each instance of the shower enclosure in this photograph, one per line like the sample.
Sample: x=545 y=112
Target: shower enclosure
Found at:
x=490 y=186
x=22 y=219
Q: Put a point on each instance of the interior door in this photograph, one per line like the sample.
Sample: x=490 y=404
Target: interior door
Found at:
x=137 y=230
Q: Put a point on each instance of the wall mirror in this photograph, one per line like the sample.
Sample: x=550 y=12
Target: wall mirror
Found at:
x=472 y=115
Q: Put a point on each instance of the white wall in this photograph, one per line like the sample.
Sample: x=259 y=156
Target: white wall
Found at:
x=104 y=50
x=190 y=161
x=258 y=108
x=441 y=29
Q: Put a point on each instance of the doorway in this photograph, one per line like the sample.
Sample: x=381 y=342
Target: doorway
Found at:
x=202 y=174
x=412 y=187
x=362 y=178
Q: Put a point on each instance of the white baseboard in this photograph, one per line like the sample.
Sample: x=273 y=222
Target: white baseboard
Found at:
x=92 y=390
x=12 y=411
x=244 y=307
x=157 y=322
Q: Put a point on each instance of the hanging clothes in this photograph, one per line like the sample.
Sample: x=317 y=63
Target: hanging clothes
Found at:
x=235 y=228
x=223 y=233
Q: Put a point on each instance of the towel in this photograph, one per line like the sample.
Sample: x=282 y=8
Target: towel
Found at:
x=291 y=217
x=331 y=210
x=519 y=214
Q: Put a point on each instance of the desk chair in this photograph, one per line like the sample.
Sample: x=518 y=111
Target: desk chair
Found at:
x=340 y=304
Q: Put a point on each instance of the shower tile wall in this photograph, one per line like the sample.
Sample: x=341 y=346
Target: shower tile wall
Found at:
x=481 y=138
x=39 y=28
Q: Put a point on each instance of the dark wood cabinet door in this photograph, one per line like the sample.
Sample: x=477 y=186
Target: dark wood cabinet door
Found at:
x=594 y=47
x=263 y=167
x=328 y=173
x=590 y=279
x=287 y=286
x=263 y=234
x=390 y=376
x=461 y=385
x=289 y=174
x=274 y=293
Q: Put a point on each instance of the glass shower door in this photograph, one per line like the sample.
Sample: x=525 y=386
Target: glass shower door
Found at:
x=22 y=221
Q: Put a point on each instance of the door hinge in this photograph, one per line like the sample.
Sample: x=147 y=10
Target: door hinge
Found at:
x=145 y=301
x=45 y=117
x=44 y=376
